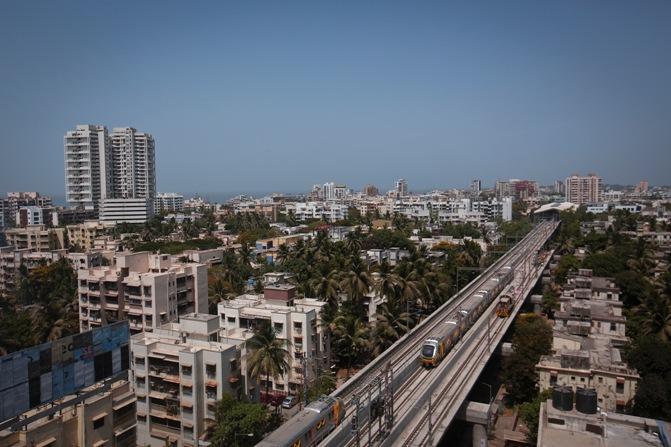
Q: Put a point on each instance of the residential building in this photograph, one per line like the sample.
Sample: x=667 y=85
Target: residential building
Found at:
x=169 y=202
x=179 y=372
x=559 y=187
x=328 y=211
x=592 y=362
x=598 y=428
x=37 y=237
x=371 y=191
x=642 y=187
x=516 y=188
x=133 y=158
x=9 y=207
x=71 y=216
x=84 y=235
x=584 y=190
x=476 y=187
x=294 y=320
x=146 y=289
x=32 y=215
x=131 y=210
x=88 y=166
x=101 y=165
x=401 y=188
x=106 y=418
x=11 y=260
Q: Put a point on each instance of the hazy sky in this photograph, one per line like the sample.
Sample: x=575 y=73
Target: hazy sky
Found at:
x=260 y=96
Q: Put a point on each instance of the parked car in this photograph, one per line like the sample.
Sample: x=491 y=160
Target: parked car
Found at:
x=289 y=401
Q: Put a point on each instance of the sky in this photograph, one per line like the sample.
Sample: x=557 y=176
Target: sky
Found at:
x=251 y=96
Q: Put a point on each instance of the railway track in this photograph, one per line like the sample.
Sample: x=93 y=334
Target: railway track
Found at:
x=402 y=356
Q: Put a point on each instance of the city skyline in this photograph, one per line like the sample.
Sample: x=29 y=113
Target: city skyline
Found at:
x=438 y=95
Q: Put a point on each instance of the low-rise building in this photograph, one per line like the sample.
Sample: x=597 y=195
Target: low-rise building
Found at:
x=11 y=260
x=294 y=320
x=106 y=418
x=589 y=362
x=36 y=237
x=146 y=289
x=179 y=372
x=137 y=211
x=168 y=202
x=557 y=427
x=83 y=235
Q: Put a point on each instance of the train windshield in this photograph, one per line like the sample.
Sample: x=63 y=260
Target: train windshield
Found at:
x=428 y=350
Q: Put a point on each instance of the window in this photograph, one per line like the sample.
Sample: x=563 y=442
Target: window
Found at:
x=582 y=379
x=231 y=320
x=619 y=388
x=613 y=327
x=211 y=371
x=98 y=423
x=139 y=361
x=573 y=378
x=279 y=327
x=186 y=370
x=147 y=290
x=600 y=379
x=187 y=390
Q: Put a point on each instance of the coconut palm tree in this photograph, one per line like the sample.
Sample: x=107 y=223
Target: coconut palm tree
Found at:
x=327 y=287
x=267 y=355
x=392 y=323
x=655 y=312
x=351 y=339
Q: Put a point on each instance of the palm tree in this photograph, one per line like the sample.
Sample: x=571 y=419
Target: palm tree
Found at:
x=267 y=355
x=327 y=288
x=392 y=323
x=351 y=337
x=655 y=312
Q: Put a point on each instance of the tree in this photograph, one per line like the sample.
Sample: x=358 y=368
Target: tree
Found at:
x=234 y=417
x=267 y=355
x=567 y=263
x=529 y=413
x=532 y=339
x=350 y=336
x=655 y=312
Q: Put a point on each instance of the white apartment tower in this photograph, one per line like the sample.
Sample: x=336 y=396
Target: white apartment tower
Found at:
x=134 y=164
x=584 y=190
x=88 y=167
x=100 y=165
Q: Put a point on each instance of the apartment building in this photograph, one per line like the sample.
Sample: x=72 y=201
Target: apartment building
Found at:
x=328 y=211
x=169 y=202
x=146 y=289
x=18 y=200
x=584 y=190
x=106 y=418
x=294 y=320
x=32 y=215
x=11 y=260
x=587 y=316
x=401 y=188
x=84 y=235
x=101 y=165
x=179 y=372
x=129 y=210
x=558 y=427
x=133 y=158
x=583 y=285
x=88 y=166
x=36 y=237
x=592 y=362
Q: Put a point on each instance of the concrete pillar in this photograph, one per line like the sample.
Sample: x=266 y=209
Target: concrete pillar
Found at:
x=479 y=435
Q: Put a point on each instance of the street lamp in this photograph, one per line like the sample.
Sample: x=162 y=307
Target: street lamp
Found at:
x=235 y=436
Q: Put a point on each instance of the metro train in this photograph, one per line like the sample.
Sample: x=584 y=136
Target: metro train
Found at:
x=438 y=345
x=309 y=426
